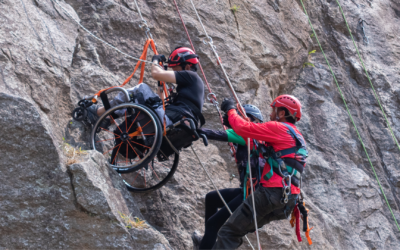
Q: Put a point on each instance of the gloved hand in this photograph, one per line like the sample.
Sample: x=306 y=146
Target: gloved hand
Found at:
x=226 y=121
x=228 y=104
x=159 y=58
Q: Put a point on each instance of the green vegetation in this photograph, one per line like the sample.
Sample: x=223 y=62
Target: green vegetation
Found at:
x=308 y=64
x=234 y=8
x=134 y=222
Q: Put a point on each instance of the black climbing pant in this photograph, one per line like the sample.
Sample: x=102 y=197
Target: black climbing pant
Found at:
x=215 y=218
x=268 y=208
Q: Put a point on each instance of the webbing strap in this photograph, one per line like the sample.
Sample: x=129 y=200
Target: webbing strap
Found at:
x=351 y=117
x=139 y=63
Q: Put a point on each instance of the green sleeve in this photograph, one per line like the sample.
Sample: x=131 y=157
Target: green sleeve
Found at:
x=235 y=138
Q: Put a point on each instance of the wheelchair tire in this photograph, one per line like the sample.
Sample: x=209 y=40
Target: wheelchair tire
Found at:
x=147 y=179
x=129 y=136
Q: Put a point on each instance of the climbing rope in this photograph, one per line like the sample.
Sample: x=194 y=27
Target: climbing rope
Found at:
x=211 y=96
x=240 y=108
x=366 y=72
x=97 y=38
x=219 y=194
x=351 y=117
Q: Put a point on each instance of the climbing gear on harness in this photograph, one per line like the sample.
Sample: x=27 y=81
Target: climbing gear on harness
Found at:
x=253 y=111
x=279 y=166
x=295 y=220
x=291 y=103
x=347 y=109
x=182 y=55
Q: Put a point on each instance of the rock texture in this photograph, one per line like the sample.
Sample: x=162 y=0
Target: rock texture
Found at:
x=45 y=207
x=47 y=63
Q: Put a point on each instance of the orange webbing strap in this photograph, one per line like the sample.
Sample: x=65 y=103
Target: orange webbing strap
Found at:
x=301 y=208
x=308 y=228
x=139 y=63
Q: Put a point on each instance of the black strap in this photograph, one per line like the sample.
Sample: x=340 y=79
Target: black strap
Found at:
x=194 y=108
x=106 y=103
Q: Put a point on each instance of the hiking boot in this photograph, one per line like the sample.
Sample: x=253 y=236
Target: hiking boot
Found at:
x=196 y=237
x=92 y=117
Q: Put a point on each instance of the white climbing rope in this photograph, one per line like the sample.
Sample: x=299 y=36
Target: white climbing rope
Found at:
x=216 y=189
x=101 y=40
x=212 y=46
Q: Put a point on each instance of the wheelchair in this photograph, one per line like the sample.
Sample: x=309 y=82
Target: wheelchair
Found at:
x=135 y=143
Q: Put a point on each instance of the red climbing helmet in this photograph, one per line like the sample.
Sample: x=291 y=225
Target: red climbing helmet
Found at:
x=182 y=55
x=291 y=103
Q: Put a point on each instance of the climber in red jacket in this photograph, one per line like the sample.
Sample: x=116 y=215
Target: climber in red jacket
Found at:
x=278 y=193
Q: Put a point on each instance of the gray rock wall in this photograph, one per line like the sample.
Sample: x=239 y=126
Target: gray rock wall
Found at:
x=47 y=63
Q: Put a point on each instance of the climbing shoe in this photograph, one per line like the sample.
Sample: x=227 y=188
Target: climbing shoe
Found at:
x=196 y=240
x=92 y=117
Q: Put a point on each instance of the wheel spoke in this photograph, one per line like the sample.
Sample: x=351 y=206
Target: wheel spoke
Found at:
x=162 y=165
x=108 y=139
x=116 y=124
x=126 y=123
x=137 y=174
x=109 y=131
x=127 y=153
x=134 y=150
x=133 y=122
x=112 y=149
x=116 y=153
x=154 y=172
x=140 y=144
x=146 y=124
x=144 y=173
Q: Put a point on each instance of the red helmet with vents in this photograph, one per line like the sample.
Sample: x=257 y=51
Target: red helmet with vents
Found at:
x=182 y=55
x=291 y=103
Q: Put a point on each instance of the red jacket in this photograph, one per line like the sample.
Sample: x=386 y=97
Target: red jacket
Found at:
x=274 y=133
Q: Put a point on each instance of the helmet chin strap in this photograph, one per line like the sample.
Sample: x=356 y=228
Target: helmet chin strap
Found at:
x=276 y=114
x=277 y=117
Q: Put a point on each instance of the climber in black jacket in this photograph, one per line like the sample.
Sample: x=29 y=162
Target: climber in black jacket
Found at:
x=214 y=218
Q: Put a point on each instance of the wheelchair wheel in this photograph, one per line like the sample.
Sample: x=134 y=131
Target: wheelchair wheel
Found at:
x=129 y=136
x=153 y=176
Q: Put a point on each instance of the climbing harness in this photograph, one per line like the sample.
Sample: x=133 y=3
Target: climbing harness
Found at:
x=348 y=111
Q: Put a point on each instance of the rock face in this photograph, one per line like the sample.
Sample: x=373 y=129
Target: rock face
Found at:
x=48 y=63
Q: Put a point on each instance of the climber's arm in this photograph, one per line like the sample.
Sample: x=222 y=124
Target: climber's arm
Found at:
x=162 y=75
